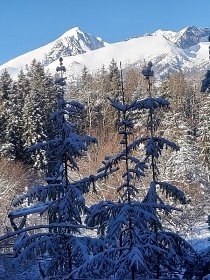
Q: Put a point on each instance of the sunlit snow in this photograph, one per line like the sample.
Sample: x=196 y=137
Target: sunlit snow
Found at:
x=161 y=47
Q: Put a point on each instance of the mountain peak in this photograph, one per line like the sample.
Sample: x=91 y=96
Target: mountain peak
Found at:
x=190 y=28
x=185 y=38
x=72 y=32
x=189 y=36
x=73 y=42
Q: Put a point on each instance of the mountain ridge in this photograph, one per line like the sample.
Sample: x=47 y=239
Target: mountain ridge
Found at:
x=186 y=37
x=186 y=50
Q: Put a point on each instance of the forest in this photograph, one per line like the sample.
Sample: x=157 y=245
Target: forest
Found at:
x=106 y=177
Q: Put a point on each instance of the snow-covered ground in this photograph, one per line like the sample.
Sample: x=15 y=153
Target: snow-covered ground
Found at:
x=199 y=238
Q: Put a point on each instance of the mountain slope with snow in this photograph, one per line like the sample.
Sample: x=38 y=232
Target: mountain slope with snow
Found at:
x=133 y=51
x=72 y=42
x=186 y=50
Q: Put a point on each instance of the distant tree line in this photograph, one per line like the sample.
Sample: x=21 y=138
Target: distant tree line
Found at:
x=27 y=103
x=25 y=107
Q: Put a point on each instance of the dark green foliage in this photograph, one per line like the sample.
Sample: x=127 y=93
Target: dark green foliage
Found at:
x=6 y=90
x=40 y=102
x=114 y=78
x=26 y=106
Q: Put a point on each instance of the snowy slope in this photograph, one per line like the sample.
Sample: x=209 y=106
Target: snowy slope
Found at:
x=162 y=48
x=72 y=42
x=186 y=50
x=133 y=51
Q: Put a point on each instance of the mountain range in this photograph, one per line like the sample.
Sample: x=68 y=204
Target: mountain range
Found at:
x=186 y=50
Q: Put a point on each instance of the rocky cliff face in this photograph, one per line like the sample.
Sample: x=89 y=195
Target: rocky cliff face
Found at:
x=190 y=36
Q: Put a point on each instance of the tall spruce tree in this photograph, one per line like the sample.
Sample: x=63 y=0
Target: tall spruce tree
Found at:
x=6 y=90
x=40 y=102
x=14 y=147
x=114 y=79
x=202 y=267
x=137 y=245
x=61 y=198
x=204 y=125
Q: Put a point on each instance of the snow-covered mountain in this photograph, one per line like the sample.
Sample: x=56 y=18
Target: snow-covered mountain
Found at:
x=71 y=43
x=186 y=50
x=187 y=37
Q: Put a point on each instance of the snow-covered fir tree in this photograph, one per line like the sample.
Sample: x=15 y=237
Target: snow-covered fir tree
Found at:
x=201 y=269
x=204 y=128
x=136 y=243
x=61 y=198
x=114 y=78
x=40 y=102
x=6 y=90
x=13 y=147
x=205 y=87
x=25 y=109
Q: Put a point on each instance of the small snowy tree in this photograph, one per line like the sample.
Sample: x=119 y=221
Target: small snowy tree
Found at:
x=136 y=243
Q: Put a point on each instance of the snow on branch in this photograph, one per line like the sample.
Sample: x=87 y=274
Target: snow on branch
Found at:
x=104 y=214
x=76 y=104
x=111 y=160
x=156 y=144
x=38 y=208
x=52 y=225
x=173 y=192
x=151 y=103
x=127 y=123
x=120 y=107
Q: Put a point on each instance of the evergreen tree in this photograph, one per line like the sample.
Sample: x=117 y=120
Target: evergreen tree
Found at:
x=86 y=78
x=114 y=90
x=204 y=124
x=202 y=267
x=102 y=91
x=205 y=87
x=137 y=245
x=22 y=89
x=40 y=101
x=6 y=84
x=61 y=198
x=6 y=90
x=14 y=147
x=114 y=79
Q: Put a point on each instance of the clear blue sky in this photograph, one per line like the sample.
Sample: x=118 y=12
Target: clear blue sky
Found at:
x=28 y=24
